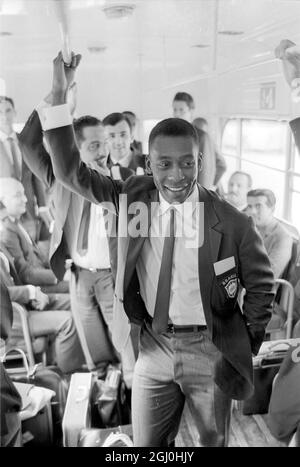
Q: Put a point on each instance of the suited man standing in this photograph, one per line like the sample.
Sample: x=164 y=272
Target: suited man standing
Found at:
x=195 y=344
x=12 y=165
x=79 y=233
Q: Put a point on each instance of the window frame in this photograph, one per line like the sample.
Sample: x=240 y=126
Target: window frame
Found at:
x=290 y=153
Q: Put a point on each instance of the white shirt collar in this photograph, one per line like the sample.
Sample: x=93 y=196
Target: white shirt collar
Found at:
x=164 y=206
x=124 y=162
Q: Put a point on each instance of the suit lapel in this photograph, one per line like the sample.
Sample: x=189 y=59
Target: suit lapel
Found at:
x=136 y=244
x=208 y=253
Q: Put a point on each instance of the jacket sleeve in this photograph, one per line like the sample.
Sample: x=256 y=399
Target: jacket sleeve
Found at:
x=19 y=294
x=258 y=281
x=36 y=156
x=74 y=174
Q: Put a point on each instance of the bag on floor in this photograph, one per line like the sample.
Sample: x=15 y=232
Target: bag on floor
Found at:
x=110 y=400
x=49 y=377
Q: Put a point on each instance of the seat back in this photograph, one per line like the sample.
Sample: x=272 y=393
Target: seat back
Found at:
x=289 y=271
x=21 y=336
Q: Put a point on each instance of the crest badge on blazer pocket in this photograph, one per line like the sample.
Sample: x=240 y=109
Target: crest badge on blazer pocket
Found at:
x=230 y=284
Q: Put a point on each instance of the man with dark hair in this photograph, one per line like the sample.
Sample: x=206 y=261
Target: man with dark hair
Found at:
x=277 y=240
x=12 y=165
x=183 y=107
x=136 y=146
x=238 y=186
x=79 y=233
x=195 y=344
x=119 y=136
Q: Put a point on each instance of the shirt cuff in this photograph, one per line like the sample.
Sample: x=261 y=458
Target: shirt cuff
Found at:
x=32 y=292
x=54 y=117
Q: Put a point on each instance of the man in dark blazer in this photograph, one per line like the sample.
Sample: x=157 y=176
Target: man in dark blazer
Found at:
x=195 y=344
x=92 y=281
x=13 y=165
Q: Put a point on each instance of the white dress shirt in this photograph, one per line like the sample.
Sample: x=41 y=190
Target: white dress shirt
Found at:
x=185 y=300
x=97 y=255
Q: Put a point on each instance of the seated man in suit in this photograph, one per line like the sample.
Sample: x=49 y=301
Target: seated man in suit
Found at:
x=10 y=399
x=195 y=343
x=238 y=186
x=119 y=137
x=43 y=320
x=30 y=264
x=79 y=234
x=277 y=240
x=13 y=165
x=183 y=107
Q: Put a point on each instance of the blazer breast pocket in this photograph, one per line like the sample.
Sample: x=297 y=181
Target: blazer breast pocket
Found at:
x=227 y=278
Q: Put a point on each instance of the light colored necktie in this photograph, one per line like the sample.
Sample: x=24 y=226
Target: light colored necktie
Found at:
x=161 y=310
x=15 y=158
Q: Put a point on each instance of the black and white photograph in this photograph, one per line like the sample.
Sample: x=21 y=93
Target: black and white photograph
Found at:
x=150 y=226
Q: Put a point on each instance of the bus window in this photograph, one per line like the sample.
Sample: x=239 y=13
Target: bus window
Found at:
x=297 y=161
x=230 y=149
x=295 y=202
x=230 y=139
x=262 y=152
x=147 y=127
x=264 y=142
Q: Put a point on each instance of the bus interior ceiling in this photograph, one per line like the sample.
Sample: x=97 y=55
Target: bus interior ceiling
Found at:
x=139 y=55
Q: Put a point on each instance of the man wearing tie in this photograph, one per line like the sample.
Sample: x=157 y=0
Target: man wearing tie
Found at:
x=119 y=136
x=12 y=165
x=79 y=233
x=195 y=344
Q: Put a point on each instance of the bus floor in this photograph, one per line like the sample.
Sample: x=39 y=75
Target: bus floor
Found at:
x=246 y=431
